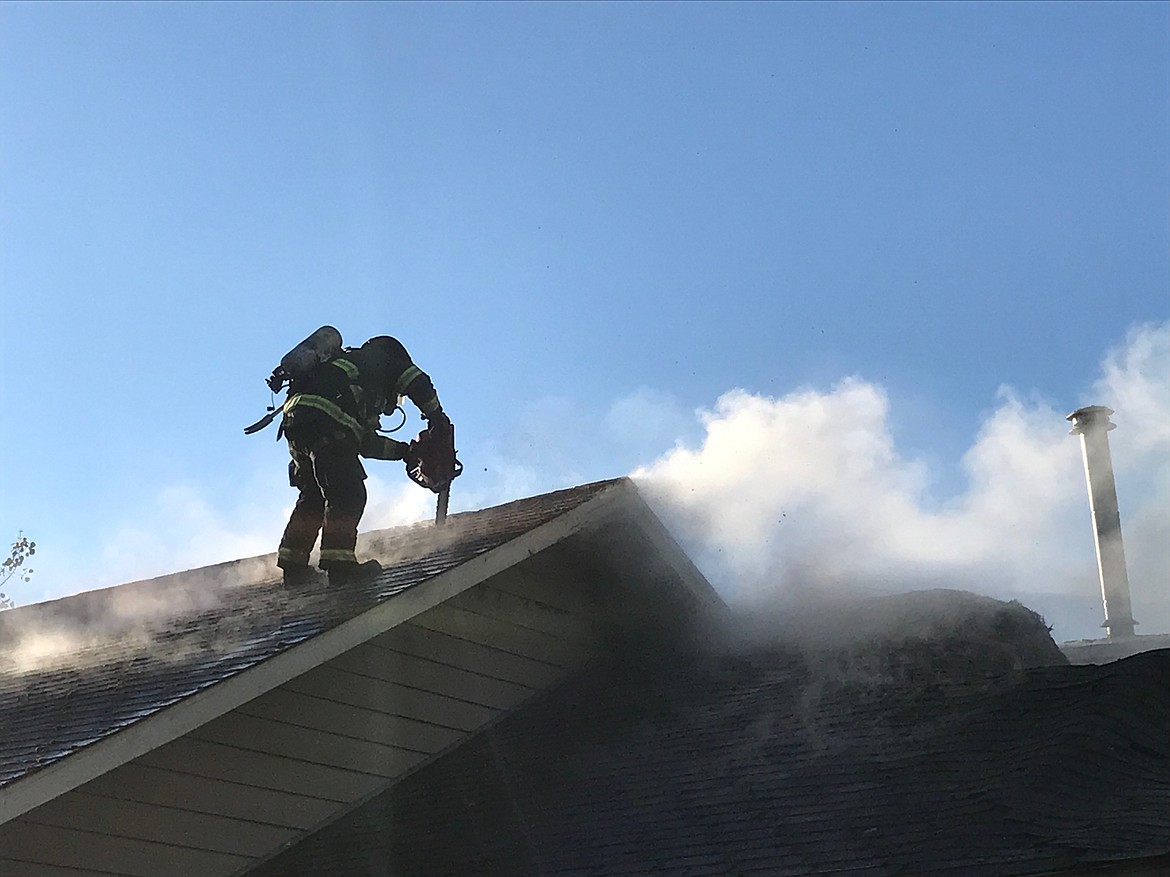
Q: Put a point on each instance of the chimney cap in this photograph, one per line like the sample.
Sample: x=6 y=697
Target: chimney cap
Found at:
x=1090 y=416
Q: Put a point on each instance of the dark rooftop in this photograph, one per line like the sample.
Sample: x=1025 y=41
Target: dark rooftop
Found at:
x=901 y=755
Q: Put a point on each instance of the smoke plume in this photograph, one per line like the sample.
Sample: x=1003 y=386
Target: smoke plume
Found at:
x=806 y=494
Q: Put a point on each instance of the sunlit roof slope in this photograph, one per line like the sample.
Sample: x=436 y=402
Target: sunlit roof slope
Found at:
x=78 y=669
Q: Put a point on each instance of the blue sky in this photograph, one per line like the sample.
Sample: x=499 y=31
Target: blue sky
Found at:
x=588 y=222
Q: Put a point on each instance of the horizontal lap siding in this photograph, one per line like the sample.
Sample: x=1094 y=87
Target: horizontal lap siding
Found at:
x=329 y=683
x=68 y=848
x=263 y=770
x=308 y=745
x=564 y=592
x=410 y=639
x=505 y=635
x=254 y=779
x=145 y=822
x=13 y=868
x=180 y=790
x=527 y=613
x=140 y=819
x=428 y=675
x=324 y=714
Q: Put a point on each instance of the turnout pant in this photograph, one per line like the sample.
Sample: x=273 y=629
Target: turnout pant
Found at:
x=330 y=482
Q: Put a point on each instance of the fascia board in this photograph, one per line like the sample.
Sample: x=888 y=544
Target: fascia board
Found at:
x=190 y=713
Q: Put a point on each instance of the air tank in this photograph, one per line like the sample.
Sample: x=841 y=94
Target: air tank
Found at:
x=321 y=346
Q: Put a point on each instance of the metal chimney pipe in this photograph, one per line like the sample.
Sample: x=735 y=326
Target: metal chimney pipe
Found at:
x=1092 y=424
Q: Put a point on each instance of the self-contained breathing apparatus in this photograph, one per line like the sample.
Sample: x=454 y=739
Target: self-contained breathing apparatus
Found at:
x=431 y=460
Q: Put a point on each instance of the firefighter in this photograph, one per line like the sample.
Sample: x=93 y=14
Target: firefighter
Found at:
x=330 y=420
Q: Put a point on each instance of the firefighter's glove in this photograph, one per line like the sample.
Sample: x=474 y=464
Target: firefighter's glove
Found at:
x=438 y=422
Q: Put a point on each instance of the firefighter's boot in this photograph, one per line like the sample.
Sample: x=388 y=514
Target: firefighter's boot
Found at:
x=298 y=576
x=343 y=572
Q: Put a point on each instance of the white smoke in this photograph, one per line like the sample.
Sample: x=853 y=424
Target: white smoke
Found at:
x=137 y=617
x=190 y=551
x=807 y=493
x=394 y=503
x=184 y=529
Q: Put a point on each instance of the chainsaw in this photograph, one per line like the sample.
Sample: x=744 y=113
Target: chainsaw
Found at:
x=432 y=463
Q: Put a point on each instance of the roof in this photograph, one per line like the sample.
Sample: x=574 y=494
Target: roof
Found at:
x=211 y=722
x=92 y=681
x=771 y=760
